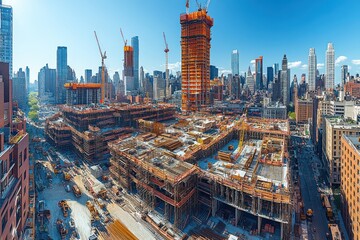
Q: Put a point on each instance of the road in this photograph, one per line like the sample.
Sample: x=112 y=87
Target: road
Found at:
x=309 y=191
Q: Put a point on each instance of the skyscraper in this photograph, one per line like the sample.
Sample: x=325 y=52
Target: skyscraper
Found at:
x=276 y=68
x=214 y=72
x=47 y=84
x=27 y=78
x=330 y=67
x=195 y=59
x=235 y=62
x=19 y=89
x=88 y=75
x=6 y=35
x=135 y=45
x=344 y=73
x=250 y=81
x=61 y=74
x=128 y=72
x=141 y=80
x=285 y=81
x=312 y=65
x=259 y=73
x=270 y=76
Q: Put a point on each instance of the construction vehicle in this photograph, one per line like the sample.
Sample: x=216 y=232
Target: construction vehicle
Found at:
x=61 y=228
x=94 y=213
x=309 y=214
x=327 y=205
x=64 y=207
x=67 y=176
x=103 y=57
x=102 y=193
x=76 y=190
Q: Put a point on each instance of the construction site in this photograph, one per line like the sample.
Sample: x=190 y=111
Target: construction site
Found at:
x=209 y=177
x=88 y=128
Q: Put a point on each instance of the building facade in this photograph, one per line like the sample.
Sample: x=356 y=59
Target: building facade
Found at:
x=47 y=84
x=214 y=72
x=334 y=128
x=330 y=67
x=195 y=59
x=19 y=89
x=14 y=163
x=285 y=82
x=82 y=93
x=61 y=74
x=235 y=62
x=88 y=75
x=350 y=184
x=344 y=74
x=128 y=73
x=312 y=67
x=6 y=35
x=259 y=73
x=135 y=46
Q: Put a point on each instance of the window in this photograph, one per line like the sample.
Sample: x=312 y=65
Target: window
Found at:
x=25 y=154
x=3 y=222
x=20 y=159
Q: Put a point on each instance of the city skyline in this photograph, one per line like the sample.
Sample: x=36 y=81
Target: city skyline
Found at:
x=83 y=53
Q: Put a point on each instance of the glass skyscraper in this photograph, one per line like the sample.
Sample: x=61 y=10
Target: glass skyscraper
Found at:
x=135 y=45
x=235 y=62
x=312 y=66
x=259 y=73
x=6 y=35
x=61 y=74
x=330 y=67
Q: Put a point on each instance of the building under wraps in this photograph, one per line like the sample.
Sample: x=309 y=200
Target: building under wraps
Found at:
x=195 y=59
x=196 y=169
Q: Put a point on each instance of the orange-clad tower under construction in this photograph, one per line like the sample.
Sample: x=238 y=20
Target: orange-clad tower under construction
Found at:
x=195 y=59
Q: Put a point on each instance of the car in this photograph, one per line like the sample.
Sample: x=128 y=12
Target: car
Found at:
x=67 y=188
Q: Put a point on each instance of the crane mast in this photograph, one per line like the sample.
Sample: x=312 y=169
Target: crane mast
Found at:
x=167 y=90
x=103 y=57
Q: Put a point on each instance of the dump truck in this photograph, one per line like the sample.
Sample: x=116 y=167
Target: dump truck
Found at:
x=76 y=190
x=309 y=214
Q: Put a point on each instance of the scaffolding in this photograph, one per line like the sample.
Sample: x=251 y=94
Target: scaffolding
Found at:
x=195 y=59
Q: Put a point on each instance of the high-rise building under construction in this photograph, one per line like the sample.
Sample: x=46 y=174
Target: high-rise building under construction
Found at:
x=129 y=68
x=195 y=59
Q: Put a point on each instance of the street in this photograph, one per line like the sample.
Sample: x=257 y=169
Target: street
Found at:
x=309 y=190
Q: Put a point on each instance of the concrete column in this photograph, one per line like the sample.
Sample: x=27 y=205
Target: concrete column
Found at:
x=213 y=207
x=237 y=198
x=259 y=225
x=166 y=211
x=253 y=205
x=237 y=216
x=281 y=231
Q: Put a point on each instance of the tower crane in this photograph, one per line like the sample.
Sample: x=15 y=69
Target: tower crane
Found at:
x=125 y=41
x=103 y=57
x=167 y=92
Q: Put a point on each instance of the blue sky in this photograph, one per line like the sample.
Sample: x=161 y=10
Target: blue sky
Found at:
x=254 y=27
